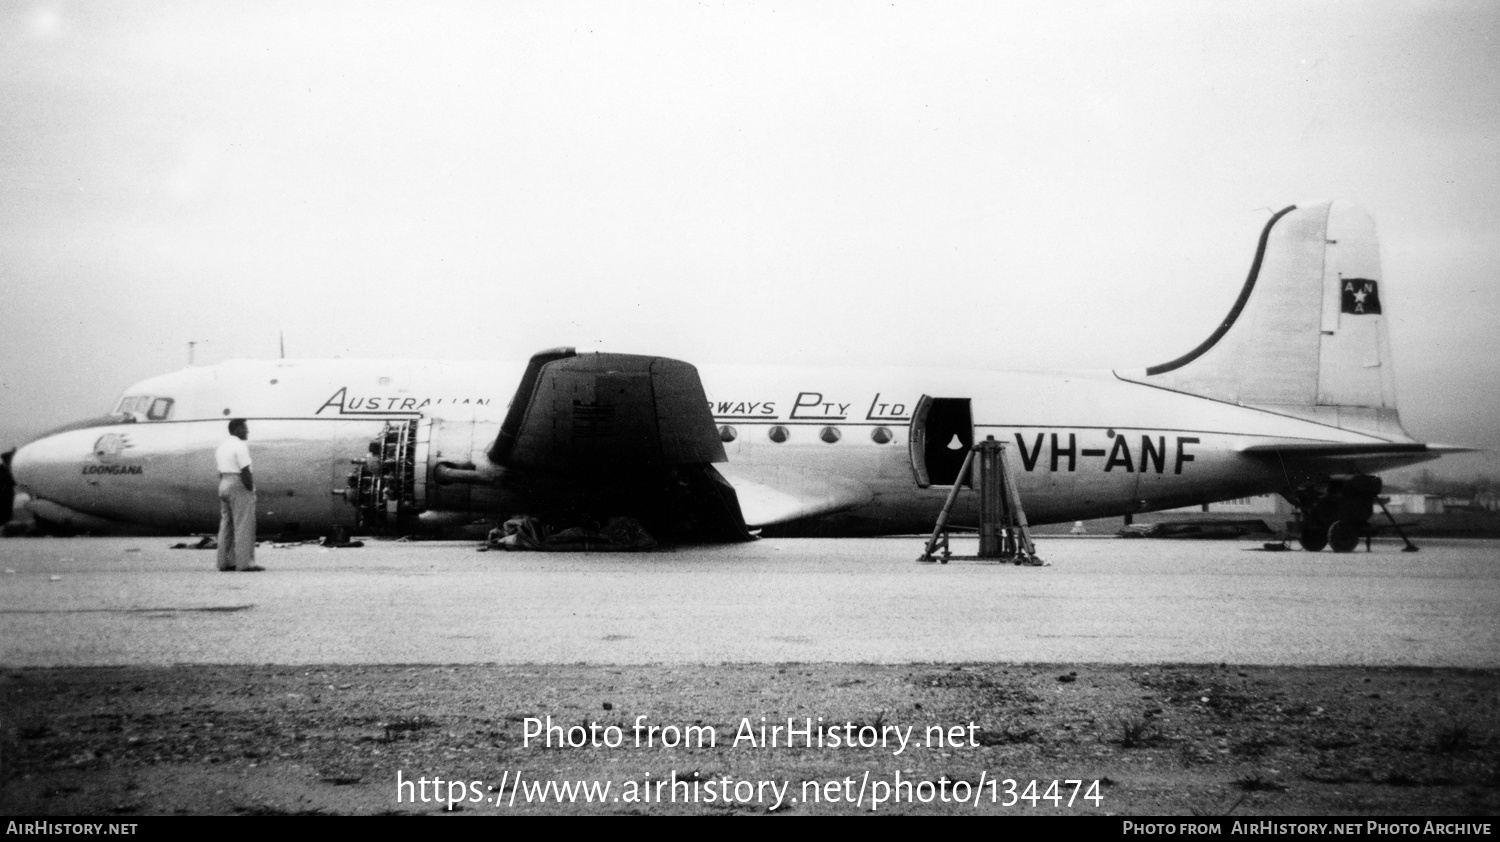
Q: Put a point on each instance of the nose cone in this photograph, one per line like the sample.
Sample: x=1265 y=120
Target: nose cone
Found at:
x=55 y=470
x=40 y=466
x=49 y=468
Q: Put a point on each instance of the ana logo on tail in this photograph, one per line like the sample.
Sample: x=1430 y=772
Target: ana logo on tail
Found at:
x=1361 y=297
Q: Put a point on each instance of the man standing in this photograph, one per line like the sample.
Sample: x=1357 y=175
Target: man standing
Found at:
x=236 y=501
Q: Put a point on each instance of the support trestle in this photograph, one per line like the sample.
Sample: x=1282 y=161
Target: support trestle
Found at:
x=1003 y=532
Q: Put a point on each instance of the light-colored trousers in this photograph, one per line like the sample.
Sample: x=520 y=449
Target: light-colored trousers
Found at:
x=236 y=524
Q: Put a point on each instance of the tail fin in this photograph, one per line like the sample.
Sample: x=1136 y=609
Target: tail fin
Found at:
x=1307 y=336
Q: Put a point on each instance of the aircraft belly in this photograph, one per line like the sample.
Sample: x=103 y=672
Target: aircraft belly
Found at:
x=61 y=517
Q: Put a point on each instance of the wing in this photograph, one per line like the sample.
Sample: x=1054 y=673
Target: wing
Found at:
x=775 y=495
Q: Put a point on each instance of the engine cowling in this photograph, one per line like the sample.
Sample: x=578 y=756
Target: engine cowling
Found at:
x=424 y=471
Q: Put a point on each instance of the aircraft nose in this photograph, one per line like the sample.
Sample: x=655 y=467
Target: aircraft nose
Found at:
x=54 y=471
x=41 y=467
x=53 y=465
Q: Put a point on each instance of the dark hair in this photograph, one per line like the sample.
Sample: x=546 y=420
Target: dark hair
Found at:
x=236 y=422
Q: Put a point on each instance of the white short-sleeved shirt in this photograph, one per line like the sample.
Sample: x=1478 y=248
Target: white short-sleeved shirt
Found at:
x=232 y=455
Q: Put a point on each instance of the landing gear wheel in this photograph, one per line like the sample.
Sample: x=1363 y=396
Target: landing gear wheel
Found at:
x=1343 y=536
x=1314 y=537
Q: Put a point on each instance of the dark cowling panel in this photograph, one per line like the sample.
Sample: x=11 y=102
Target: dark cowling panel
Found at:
x=607 y=414
x=594 y=436
x=505 y=442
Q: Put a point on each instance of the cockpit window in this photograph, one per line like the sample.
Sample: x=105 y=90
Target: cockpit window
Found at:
x=130 y=405
x=145 y=407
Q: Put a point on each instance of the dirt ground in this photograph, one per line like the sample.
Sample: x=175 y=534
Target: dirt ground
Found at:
x=1139 y=740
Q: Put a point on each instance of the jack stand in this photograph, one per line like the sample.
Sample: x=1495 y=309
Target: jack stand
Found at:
x=1410 y=547
x=1003 y=531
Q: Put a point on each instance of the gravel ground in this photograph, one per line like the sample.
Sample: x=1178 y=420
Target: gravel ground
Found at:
x=1158 y=740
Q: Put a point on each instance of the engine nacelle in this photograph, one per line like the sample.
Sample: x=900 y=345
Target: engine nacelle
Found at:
x=429 y=472
x=422 y=466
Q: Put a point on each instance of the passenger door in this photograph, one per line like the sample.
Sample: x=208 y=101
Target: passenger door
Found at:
x=942 y=433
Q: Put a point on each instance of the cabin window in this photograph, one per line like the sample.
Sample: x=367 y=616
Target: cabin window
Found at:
x=160 y=409
x=830 y=434
x=778 y=434
x=727 y=434
x=881 y=435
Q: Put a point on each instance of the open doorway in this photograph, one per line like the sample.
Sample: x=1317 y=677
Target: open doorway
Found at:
x=942 y=432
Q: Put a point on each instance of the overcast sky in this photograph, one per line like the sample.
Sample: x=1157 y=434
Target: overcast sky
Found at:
x=978 y=184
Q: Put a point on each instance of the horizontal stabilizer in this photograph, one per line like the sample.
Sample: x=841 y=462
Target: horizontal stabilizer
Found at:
x=1374 y=448
x=1328 y=458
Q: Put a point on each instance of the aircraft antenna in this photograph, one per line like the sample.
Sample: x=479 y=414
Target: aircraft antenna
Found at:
x=281 y=334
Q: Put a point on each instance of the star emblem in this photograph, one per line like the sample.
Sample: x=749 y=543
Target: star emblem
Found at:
x=1361 y=297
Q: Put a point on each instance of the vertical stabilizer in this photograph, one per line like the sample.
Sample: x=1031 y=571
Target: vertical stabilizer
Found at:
x=1307 y=335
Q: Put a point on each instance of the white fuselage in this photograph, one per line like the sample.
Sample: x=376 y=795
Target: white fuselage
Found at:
x=814 y=450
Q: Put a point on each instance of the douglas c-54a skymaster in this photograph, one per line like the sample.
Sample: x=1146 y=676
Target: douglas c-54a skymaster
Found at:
x=1292 y=393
